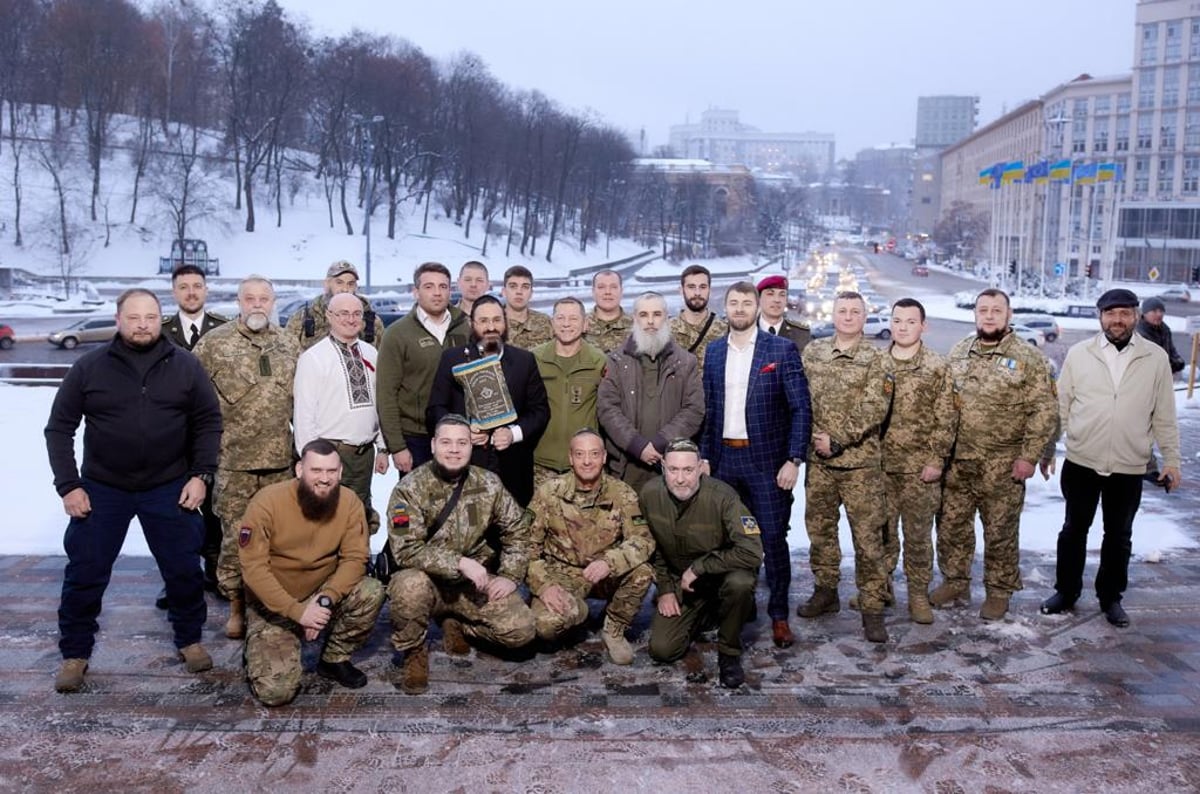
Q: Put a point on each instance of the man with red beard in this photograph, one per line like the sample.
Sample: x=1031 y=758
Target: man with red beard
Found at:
x=303 y=549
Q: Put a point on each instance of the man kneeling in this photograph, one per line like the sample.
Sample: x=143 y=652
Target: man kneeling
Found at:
x=303 y=549
x=439 y=519
x=589 y=538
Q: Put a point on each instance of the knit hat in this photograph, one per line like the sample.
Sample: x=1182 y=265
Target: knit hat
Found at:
x=1150 y=304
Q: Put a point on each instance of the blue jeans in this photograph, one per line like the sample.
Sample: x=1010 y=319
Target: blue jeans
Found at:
x=93 y=543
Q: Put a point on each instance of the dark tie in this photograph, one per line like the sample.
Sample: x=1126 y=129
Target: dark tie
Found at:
x=773 y=331
x=195 y=336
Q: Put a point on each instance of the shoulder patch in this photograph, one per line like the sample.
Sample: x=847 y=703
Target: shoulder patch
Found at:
x=400 y=515
x=244 y=536
x=749 y=526
x=889 y=383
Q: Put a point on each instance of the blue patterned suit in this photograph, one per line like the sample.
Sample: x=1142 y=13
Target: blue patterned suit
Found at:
x=778 y=423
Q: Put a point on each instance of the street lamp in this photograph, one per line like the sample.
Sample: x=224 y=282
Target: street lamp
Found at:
x=1054 y=147
x=367 y=140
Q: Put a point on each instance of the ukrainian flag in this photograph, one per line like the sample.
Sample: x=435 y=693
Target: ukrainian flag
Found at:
x=1013 y=172
x=1106 y=172
x=1060 y=171
x=985 y=176
x=1085 y=173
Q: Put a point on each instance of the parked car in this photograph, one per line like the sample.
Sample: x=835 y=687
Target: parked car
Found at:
x=1031 y=335
x=921 y=270
x=1180 y=294
x=1044 y=323
x=878 y=326
x=100 y=329
x=821 y=330
x=7 y=337
x=389 y=308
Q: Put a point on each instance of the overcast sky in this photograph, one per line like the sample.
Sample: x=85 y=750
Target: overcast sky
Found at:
x=851 y=67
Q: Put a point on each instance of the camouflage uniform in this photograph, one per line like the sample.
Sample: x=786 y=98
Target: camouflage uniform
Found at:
x=430 y=584
x=573 y=528
x=288 y=559
x=850 y=396
x=534 y=331
x=1008 y=410
x=372 y=334
x=253 y=375
x=687 y=335
x=919 y=432
x=608 y=335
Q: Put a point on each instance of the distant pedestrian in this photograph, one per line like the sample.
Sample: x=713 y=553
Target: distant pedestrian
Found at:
x=1152 y=327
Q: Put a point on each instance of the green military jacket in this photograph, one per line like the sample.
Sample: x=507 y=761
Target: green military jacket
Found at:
x=408 y=360
x=320 y=323
x=571 y=529
x=711 y=533
x=687 y=335
x=850 y=394
x=1008 y=406
x=920 y=427
x=536 y=330
x=484 y=505
x=608 y=335
x=571 y=386
x=253 y=374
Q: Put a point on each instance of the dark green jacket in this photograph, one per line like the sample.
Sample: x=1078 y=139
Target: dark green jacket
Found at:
x=571 y=391
x=711 y=533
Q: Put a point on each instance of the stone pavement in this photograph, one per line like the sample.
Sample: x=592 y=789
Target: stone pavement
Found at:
x=1067 y=703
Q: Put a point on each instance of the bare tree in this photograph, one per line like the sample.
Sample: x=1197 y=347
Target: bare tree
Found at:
x=182 y=186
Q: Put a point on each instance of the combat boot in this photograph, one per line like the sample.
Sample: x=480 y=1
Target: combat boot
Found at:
x=414 y=675
x=824 y=601
x=196 y=658
x=919 y=610
x=730 y=671
x=950 y=592
x=235 y=627
x=613 y=635
x=994 y=606
x=873 y=627
x=454 y=641
x=70 y=675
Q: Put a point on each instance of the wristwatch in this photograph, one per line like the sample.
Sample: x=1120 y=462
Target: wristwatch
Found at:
x=205 y=478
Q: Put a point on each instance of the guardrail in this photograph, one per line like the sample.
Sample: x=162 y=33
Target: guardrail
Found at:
x=32 y=374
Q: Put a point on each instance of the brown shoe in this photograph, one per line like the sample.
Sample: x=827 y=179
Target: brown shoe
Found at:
x=824 y=601
x=195 y=658
x=70 y=675
x=781 y=633
x=454 y=642
x=873 y=627
x=950 y=592
x=919 y=609
x=995 y=606
x=414 y=678
x=613 y=636
x=235 y=627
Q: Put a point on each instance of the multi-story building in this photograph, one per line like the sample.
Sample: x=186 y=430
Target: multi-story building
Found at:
x=721 y=138
x=941 y=121
x=890 y=168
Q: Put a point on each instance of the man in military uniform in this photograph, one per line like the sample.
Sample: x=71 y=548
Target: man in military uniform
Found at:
x=473 y=284
x=589 y=539
x=252 y=364
x=850 y=396
x=706 y=560
x=310 y=324
x=696 y=325
x=527 y=328
x=571 y=370
x=408 y=360
x=439 y=522
x=608 y=325
x=1008 y=411
x=303 y=548
x=772 y=312
x=917 y=436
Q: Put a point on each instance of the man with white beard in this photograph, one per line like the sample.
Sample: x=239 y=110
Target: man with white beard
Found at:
x=252 y=364
x=650 y=394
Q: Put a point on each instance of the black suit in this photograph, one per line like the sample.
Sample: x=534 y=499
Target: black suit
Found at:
x=174 y=328
x=515 y=464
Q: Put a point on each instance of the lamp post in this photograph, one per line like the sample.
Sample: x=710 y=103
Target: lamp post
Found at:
x=365 y=129
x=1054 y=146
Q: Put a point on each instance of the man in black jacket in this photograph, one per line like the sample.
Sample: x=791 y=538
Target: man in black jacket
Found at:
x=1152 y=327
x=149 y=449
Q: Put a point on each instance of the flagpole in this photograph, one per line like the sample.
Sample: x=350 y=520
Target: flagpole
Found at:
x=1070 y=232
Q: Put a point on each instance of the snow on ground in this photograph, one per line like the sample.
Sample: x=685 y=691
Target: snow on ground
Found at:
x=35 y=519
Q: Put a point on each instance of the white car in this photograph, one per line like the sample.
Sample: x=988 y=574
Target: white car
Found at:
x=1031 y=335
x=878 y=326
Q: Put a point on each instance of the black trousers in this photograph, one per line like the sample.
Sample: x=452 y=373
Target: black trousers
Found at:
x=1119 y=496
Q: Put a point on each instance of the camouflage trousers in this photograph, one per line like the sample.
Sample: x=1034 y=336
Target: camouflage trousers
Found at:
x=358 y=467
x=624 y=595
x=985 y=486
x=273 y=641
x=912 y=505
x=863 y=493
x=231 y=495
x=417 y=599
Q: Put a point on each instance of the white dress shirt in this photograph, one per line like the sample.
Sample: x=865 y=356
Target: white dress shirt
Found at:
x=737 y=382
x=324 y=406
x=437 y=329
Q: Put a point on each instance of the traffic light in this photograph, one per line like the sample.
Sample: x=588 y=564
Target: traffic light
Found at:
x=1196 y=274
x=1093 y=270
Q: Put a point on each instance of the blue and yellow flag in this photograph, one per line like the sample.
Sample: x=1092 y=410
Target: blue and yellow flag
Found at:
x=1085 y=173
x=1106 y=172
x=1013 y=172
x=1060 y=171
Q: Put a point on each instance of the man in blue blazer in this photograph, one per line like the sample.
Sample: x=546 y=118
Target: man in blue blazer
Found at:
x=756 y=431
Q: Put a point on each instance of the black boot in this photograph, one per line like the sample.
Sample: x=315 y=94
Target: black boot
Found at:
x=730 y=667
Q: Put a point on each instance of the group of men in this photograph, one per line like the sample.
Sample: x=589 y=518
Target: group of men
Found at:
x=629 y=450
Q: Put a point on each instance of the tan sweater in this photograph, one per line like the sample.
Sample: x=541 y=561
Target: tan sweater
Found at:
x=286 y=558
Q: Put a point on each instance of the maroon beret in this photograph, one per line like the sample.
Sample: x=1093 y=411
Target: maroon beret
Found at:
x=772 y=282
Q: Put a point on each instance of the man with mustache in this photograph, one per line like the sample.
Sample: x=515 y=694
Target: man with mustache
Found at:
x=252 y=364
x=1008 y=412
x=696 y=325
x=303 y=549
x=1115 y=398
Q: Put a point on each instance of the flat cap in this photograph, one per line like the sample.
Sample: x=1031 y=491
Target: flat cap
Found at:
x=772 y=282
x=340 y=267
x=1117 y=298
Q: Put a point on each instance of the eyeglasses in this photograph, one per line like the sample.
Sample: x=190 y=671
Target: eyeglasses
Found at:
x=344 y=315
